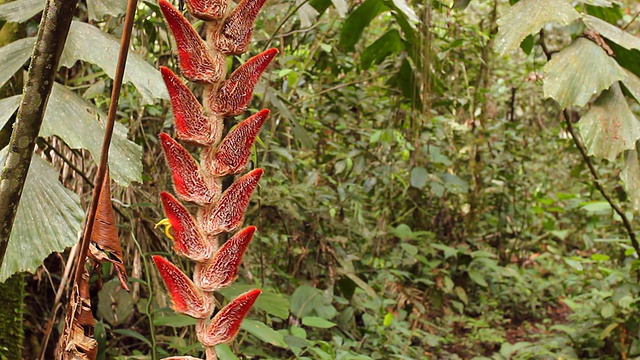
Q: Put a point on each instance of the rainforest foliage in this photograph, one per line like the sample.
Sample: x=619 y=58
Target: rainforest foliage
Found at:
x=442 y=179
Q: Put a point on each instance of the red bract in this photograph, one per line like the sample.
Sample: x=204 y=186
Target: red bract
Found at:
x=188 y=181
x=196 y=62
x=187 y=299
x=201 y=184
x=207 y=9
x=191 y=122
x=234 y=94
x=233 y=153
x=234 y=35
x=226 y=324
x=222 y=269
x=227 y=214
x=188 y=239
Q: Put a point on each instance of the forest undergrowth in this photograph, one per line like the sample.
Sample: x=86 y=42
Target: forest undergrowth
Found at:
x=423 y=197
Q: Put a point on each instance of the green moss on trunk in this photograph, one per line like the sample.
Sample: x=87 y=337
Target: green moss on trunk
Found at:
x=11 y=291
x=11 y=311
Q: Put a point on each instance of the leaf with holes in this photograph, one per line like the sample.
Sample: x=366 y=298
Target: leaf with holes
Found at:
x=578 y=72
x=609 y=127
x=528 y=17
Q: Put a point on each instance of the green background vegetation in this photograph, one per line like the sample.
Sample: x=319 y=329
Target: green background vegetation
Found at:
x=423 y=195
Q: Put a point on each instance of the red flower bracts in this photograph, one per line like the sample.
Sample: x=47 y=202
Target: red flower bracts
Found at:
x=199 y=182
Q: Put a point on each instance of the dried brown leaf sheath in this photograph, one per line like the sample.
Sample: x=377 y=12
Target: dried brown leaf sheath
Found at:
x=105 y=234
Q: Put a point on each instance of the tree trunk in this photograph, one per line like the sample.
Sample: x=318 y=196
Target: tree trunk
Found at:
x=52 y=34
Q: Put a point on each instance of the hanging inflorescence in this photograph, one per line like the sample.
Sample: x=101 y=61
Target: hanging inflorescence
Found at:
x=204 y=61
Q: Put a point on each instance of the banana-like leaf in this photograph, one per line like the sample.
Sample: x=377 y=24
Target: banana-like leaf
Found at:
x=7 y=107
x=75 y=121
x=88 y=43
x=13 y=56
x=20 y=10
x=528 y=17
x=48 y=219
x=578 y=72
x=610 y=127
x=613 y=33
x=98 y=9
x=631 y=82
x=630 y=175
x=70 y=117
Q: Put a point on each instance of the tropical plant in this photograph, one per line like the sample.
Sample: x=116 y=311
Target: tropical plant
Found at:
x=218 y=212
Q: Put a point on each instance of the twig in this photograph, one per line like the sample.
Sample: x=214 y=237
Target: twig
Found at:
x=598 y=183
x=594 y=173
x=104 y=154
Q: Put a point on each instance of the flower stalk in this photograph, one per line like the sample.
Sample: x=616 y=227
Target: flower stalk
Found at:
x=197 y=237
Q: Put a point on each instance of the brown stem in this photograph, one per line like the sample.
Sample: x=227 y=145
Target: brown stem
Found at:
x=111 y=118
x=598 y=182
x=52 y=34
x=594 y=173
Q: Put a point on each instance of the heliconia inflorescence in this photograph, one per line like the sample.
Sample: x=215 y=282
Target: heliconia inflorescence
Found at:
x=204 y=61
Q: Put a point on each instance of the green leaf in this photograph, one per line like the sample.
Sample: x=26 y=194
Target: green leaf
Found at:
x=630 y=176
x=477 y=278
x=20 y=10
x=98 y=9
x=341 y=6
x=356 y=22
x=388 y=319
x=224 y=352
x=174 y=320
x=388 y=44
x=632 y=84
x=406 y=10
x=611 y=32
x=528 y=17
x=115 y=304
x=605 y=333
x=82 y=42
x=578 y=72
x=317 y=322
x=419 y=177
x=133 y=334
x=298 y=130
x=48 y=219
x=70 y=117
x=596 y=206
x=308 y=301
x=609 y=127
x=263 y=332
x=527 y=44
x=13 y=56
x=268 y=301
x=8 y=106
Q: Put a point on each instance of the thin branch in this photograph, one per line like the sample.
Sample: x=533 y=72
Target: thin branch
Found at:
x=52 y=34
x=598 y=182
x=594 y=173
x=104 y=154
